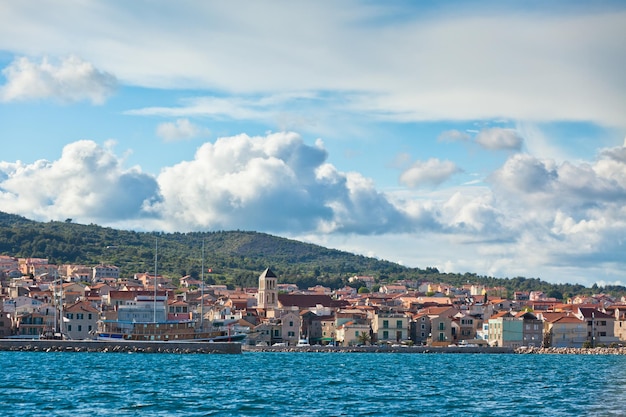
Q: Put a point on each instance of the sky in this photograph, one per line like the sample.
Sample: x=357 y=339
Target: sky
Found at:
x=472 y=136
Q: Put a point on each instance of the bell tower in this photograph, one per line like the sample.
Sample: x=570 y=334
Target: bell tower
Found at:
x=268 y=293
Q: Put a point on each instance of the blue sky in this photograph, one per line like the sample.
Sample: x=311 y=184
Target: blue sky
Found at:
x=484 y=137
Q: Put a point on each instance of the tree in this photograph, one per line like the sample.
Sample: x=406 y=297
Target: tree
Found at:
x=363 y=290
x=364 y=338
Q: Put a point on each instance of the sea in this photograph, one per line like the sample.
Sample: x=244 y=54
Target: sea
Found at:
x=310 y=384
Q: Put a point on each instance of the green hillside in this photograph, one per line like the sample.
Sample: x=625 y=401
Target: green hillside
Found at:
x=236 y=258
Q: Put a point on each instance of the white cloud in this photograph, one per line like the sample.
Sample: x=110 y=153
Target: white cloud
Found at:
x=549 y=64
x=87 y=184
x=271 y=183
x=498 y=138
x=181 y=129
x=453 y=136
x=71 y=80
x=431 y=172
x=537 y=219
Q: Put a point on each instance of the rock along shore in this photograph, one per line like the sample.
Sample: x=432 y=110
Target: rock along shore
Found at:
x=125 y=346
x=379 y=349
x=432 y=349
x=572 y=351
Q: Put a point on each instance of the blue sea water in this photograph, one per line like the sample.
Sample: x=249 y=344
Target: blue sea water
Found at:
x=311 y=384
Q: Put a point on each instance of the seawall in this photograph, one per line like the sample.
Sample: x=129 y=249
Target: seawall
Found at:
x=118 y=346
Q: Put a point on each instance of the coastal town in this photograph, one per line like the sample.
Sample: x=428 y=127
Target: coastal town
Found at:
x=40 y=300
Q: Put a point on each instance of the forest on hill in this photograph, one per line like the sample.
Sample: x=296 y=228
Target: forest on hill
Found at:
x=235 y=258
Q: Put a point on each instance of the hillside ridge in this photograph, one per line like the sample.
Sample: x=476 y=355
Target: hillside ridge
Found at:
x=235 y=258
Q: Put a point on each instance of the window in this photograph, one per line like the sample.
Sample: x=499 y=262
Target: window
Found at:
x=603 y=323
x=423 y=326
x=80 y=328
x=398 y=324
x=442 y=326
x=291 y=324
x=69 y=327
x=89 y=329
x=385 y=324
x=356 y=333
x=276 y=333
x=385 y=334
x=291 y=334
x=442 y=337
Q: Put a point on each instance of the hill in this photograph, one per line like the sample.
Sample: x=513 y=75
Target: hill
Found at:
x=235 y=258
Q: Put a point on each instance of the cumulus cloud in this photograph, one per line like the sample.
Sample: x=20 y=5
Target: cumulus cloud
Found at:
x=431 y=172
x=271 y=183
x=526 y=174
x=87 y=183
x=532 y=213
x=181 y=129
x=499 y=138
x=70 y=80
x=569 y=210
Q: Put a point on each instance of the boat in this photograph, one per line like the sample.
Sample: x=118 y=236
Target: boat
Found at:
x=303 y=343
x=179 y=331
x=127 y=326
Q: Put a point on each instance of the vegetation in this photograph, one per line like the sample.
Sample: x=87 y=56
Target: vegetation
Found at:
x=235 y=258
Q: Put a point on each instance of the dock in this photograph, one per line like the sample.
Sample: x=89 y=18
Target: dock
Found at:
x=127 y=346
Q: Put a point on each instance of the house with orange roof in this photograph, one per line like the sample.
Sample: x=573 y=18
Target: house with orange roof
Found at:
x=80 y=320
x=352 y=333
x=507 y=329
x=600 y=326
x=178 y=310
x=564 y=330
x=619 y=312
x=443 y=329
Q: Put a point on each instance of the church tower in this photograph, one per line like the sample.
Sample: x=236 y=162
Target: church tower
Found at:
x=268 y=293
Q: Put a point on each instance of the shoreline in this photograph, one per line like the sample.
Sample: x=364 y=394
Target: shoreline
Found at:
x=190 y=347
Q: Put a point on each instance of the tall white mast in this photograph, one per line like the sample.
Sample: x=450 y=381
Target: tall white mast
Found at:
x=202 y=291
x=156 y=249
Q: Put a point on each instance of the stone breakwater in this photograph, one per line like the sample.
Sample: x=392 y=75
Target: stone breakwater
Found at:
x=378 y=349
x=571 y=351
x=124 y=346
x=438 y=349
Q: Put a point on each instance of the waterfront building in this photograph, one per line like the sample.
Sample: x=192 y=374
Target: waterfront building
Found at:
x=351 y=333
x=390 y=327
x=505 y=330
x=80 y=320
x=600 y=326
x=564 y=330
